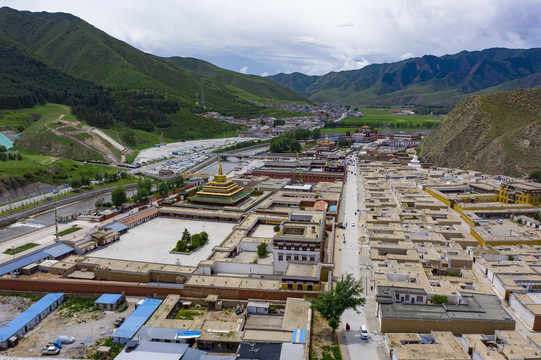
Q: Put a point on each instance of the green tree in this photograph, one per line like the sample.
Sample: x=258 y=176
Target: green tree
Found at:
x=278 y=122
x=537 y=216
x=204 y=237
x=276 y=228
x=536 y=175
x=76 y=183
x=316 y=134
x=118 y=196
x=85 y=180
x=196 y=240
x=178 y=181
x=295 y=146
x=181 y=246
x=439 y=299
x=186 y=236
x=332 y=304
x=263 y=122
x=163 y=188
x=262 y=250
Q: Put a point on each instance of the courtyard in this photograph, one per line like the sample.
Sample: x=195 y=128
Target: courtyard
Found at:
x=153 y=241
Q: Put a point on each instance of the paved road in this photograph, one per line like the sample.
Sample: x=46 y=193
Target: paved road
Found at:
x=356 y=261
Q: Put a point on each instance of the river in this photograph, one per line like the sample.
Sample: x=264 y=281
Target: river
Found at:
x=47 y=218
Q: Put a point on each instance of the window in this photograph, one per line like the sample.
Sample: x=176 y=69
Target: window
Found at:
x=312 y=258
x=290 y=286
x=281 y=247
x=312 y=248
x=288 y=257
x=296 y=257
x=288 y=247
x=304 y=248
x=419 y=299
x=304 y=258
x=296 y=248
x=309 y=287
x=407 y=297
x=280 y=257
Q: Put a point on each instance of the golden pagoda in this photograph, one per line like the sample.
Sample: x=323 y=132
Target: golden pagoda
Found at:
x=220 y=192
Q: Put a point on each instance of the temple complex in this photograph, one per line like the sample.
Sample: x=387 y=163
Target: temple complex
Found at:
x=220 y=192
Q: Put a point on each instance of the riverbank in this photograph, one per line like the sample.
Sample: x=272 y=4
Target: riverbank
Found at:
x=12 y=218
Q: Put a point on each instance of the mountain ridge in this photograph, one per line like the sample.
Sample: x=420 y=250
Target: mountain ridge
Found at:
x=426 y=80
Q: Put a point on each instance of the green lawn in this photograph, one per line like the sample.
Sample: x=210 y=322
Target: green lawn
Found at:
x=21 y=248
x=69 y=231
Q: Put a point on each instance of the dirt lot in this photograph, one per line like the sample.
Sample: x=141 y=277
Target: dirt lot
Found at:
x=322 y=336
x=85 y=327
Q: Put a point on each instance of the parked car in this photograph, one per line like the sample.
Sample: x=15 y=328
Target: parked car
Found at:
x=364 y=333
x=50 y=350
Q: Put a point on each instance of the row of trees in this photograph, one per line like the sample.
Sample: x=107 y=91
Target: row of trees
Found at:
x=289 y=142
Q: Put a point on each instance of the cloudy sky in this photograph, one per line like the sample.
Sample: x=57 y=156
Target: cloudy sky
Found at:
x=309 y=36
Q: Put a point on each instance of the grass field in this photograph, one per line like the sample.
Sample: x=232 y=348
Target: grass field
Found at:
x=381 y=119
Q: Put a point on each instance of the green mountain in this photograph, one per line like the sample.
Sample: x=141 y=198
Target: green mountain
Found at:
x=135 y=79
x=428 y=80
x=497 y=134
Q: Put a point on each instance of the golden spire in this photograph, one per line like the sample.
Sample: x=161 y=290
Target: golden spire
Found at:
x=220 y=177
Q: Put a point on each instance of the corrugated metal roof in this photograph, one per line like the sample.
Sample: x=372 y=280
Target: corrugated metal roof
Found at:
x=108 y=299
x=28 y=315
x=292 y=352
x=146 y=350
x=22 y=262
x=137 y=319
x=118 y=227
x=194 y=354
x=58 y=250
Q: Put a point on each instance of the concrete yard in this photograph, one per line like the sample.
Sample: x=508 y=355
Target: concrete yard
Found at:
x=264 y=231
x=153 y=241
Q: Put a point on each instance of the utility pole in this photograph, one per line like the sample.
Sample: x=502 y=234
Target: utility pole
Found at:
x=203 y=93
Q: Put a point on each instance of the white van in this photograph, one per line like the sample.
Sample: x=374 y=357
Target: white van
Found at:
x=364 y=333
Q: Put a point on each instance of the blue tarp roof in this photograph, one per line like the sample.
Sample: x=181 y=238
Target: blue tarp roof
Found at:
x=4 y=140
x=118 y=227
x=28 y=315
x=299 y=336
x=188 y=334
x=58 y=250
x=108 y=299
x=22 y=262
x=137 y=319
x=332 y=208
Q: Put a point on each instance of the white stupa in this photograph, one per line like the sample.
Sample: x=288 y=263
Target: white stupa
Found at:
x=414 y=163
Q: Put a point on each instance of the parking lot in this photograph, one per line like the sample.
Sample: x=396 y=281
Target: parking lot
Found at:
x=186 y=147
x=152 y=241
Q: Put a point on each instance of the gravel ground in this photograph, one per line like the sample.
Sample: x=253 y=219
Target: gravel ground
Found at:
x=86 y=328
x=11 y=307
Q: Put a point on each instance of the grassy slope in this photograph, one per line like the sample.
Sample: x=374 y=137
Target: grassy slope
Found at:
x=70 y=44
x=38 y=136
x=497 y=134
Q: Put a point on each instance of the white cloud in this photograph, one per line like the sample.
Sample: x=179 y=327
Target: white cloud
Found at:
x=307 y=35
x=243 y=70
x=406 y=56
x=264 y=73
